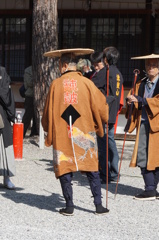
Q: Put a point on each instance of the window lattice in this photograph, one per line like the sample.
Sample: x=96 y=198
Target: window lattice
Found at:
x=102 y=33
x=74 y=32
x=156 y=47
x=129 y=44
x=13 y=47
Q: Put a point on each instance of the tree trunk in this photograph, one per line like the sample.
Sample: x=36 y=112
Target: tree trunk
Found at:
x=45 y=39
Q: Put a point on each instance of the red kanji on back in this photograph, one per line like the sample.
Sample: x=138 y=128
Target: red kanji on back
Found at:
x=70 y=89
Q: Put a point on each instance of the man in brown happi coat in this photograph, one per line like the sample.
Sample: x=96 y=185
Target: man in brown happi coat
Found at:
x=74 y=112
x=145 y=118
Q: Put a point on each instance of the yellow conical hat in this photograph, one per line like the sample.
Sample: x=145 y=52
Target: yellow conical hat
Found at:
x=147 y=56
x=75 y=51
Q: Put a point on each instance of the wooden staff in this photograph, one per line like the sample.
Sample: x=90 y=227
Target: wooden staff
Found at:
x=136 y=72
x=107 y=89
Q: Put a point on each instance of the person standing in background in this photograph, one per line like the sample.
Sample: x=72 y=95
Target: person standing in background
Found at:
x=7 y=112
x=84 y=65
x=110 y=57
x=29 y=102
x=100 y=60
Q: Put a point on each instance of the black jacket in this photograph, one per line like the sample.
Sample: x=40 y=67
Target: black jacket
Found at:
x=7 y=107
x=115 y=86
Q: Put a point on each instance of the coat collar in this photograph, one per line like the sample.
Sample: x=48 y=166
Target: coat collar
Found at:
x=142 y=88
x=71 y=71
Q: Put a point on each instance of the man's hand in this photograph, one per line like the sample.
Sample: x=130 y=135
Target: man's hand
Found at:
x=130 y=99
x=133 y=98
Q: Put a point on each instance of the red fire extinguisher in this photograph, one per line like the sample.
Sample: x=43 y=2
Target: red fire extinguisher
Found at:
x=18 y=128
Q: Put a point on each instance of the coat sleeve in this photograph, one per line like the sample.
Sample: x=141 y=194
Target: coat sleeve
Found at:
x=6 y=95
x=47 y=117
x=153 y=112
x=100 y=109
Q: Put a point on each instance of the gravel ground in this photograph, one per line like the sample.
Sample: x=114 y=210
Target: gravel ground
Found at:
x=31 y=212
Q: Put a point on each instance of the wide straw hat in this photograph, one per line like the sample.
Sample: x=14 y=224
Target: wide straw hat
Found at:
x=151 y=56
x=75 y=51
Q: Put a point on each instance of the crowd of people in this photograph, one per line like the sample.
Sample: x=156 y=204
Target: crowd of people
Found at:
x=81 y=109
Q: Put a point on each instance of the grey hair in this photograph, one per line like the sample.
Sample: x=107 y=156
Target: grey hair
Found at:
x=69 y=58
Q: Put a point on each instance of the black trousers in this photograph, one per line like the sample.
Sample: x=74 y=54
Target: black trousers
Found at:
x=95 y=185
x=28 y=115
x=151 y=178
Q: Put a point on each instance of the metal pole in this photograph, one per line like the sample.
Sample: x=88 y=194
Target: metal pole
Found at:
x=41 y=135
x=107 y=143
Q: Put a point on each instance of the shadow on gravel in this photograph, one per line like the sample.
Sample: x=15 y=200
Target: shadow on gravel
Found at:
x=49 y=203
x=123 y=189
x=84 y=209
x=49 y=163
x=81 y=180
x=34 y=142
x=4 y=189
x=55 y=201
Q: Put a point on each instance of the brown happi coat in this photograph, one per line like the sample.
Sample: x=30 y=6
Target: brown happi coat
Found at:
x=72 y=88
x=152 y=110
